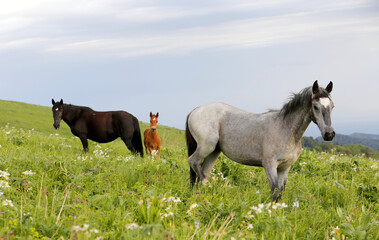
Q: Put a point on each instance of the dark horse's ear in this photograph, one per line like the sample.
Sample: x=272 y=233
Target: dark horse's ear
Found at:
x=329 y=88
x=52 y=101
x=157 y=114
x=315 y=88
x=61 y=102
x=151 y=114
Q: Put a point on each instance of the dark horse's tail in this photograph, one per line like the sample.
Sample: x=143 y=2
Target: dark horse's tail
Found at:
x=191 y=146
x=136 y=139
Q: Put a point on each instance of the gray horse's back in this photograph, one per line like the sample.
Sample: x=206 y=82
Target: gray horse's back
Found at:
x=237 y=133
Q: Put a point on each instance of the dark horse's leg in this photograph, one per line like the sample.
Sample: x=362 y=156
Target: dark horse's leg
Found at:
x=85 y=143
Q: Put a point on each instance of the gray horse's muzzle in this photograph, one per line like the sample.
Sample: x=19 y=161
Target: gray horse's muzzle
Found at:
x=329 y=135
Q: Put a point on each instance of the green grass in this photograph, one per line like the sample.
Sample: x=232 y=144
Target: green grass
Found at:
x=110 y=194
x=40 y=118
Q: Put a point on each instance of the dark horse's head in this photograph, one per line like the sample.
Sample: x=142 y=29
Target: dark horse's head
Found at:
x=153 y=121
x=322 y=106
x=57 y=112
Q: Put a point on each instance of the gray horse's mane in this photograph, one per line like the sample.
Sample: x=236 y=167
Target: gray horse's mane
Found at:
x=301 y=100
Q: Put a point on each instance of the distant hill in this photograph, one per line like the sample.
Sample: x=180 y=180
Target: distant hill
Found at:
x=40 y=118
x=365 y=135
x=368 y=140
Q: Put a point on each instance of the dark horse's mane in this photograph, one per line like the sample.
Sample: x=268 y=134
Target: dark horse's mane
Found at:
x=303 y=99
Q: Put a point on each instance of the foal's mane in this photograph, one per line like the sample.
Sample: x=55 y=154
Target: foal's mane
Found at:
x=301 y=100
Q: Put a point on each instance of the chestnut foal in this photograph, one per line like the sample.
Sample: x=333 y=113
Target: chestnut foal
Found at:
x=152 y=140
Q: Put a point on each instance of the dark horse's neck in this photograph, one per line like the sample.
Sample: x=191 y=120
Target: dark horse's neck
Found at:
x=71 y=113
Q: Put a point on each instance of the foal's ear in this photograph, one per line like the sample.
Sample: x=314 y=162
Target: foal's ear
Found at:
x=151 y=114
x=52 y=101
x=329 y=88
x=61 y=102
x=157 y=115
x=315 y=88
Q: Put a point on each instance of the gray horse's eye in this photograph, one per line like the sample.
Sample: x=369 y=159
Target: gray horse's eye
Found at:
x=316 y=108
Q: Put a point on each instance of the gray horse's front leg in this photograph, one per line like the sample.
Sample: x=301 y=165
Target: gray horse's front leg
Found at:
x=282 y=177
x=272 y=176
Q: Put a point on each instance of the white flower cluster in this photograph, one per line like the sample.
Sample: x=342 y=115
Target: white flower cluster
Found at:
x=78 y=228
x=4 y=174
x=4 y=184
x=193 y=206
x=7 y=202
x=168 y=212
x=261 y=207
x=100 y=153
x=28 y=173
x=132 y=226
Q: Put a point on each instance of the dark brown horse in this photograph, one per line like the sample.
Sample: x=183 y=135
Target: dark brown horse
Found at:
x=152 y=140
x=101 y=127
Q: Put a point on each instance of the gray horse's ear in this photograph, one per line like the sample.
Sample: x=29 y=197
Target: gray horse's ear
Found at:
x=61 y=102
x=315 y=88
x=52 y=101
x=329 y=88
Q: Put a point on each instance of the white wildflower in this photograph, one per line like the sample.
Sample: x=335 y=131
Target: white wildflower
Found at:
x=85 y=227
x=250 y=226
x=7 y=202
x=194 y=205
x=94 y=230
x=296 y=204
x=28 y=173
x=76 y=228
x=132 y=226
x=4 y=184
x=274 y=206
x=283 y=205
x=4 y=174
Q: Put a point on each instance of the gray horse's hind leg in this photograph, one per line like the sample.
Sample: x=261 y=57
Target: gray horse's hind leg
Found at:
x=200 y=157
x=209 y=162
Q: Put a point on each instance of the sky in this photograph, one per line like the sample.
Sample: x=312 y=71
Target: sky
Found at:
x=171 y=56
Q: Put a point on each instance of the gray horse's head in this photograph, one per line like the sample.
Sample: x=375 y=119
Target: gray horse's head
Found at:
x=322 y=106
x=57 y=112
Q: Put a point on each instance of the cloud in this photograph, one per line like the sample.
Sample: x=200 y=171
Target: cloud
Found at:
x=126 y=29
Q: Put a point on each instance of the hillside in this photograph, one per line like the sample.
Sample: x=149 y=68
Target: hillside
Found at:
x=40 y=118
x=368 y=140
x=51 y=189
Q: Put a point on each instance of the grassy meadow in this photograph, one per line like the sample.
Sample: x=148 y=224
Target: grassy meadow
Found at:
x=51 y=189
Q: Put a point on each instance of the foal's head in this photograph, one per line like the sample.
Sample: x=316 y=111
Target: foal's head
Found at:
x=322 y=106
x=57 y=112
x=153 y=121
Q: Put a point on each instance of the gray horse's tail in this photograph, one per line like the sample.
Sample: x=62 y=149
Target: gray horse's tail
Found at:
x=191 y=147
x=136 y=139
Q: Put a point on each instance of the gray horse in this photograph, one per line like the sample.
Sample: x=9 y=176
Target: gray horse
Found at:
x=271 y=140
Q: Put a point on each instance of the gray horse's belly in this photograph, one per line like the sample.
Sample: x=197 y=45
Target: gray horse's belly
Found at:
x=246 y=155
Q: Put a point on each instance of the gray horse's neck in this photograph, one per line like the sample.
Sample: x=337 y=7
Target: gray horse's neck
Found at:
x=298 y=121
